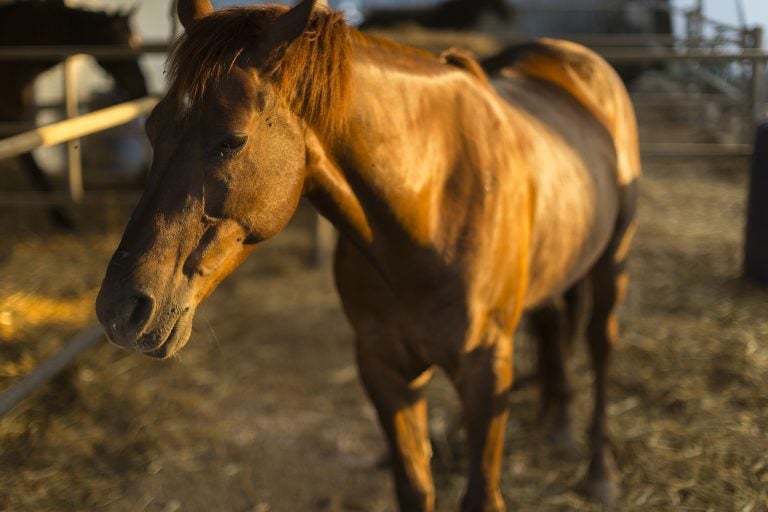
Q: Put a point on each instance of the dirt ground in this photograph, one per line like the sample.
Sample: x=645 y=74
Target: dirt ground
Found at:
x=263 y=410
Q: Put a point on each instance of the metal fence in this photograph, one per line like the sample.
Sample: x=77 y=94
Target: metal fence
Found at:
x=74 y=126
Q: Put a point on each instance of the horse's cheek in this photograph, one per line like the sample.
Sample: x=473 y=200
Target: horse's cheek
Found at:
x=270 y=192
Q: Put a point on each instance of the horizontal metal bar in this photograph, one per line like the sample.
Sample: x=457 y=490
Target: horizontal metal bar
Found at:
x=718 y=83
x=630 y=53
x=34 y=52
x=76 y=127
x=605 y=7
x=700 y=54
x=690 y=149
x=684 y=98
x=36 y=199
x=49 y=368
x=719 y=24
x=683 y=103
x=620 y=40
x=630 y=40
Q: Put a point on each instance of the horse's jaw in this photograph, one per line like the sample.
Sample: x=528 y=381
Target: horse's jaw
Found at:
x=178 y=333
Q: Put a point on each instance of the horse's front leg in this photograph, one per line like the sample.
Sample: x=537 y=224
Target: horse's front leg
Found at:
x=395 y=385
x=484 y=381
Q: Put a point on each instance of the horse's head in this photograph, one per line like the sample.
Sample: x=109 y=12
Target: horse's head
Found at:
x=228 y=172
x=115 y=29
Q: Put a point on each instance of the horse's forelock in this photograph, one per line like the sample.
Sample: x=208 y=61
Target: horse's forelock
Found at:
x=312 y=75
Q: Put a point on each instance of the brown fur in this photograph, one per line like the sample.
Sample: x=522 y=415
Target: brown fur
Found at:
x=589 y=79
x=200 y=58
x=459 y=205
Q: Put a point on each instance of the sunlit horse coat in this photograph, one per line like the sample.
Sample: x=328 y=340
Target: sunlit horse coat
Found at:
x=461 y=203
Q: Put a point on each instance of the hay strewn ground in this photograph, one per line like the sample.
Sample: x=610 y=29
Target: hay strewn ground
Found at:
x=263 y=412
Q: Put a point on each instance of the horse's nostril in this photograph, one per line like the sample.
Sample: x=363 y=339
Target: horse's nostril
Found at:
x=140 y=310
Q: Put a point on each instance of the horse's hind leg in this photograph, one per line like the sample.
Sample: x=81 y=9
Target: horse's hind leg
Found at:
x=608 y=281
x=555 y=325
x=41 y=183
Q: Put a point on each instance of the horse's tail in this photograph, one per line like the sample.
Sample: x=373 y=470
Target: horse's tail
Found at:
x=589 y=79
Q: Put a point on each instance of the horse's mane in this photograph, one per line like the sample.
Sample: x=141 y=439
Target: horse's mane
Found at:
x=313 y=76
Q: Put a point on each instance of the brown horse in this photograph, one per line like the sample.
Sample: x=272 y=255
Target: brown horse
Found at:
x=51 y=22
x=461 y=202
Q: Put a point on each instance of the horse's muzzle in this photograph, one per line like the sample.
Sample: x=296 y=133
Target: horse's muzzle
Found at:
x=132 y=320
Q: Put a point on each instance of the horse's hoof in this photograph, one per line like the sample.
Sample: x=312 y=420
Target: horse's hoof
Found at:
x=605 y=491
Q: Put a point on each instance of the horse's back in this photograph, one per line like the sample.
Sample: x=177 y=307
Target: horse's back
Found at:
x=583 y=156
x=586 y=77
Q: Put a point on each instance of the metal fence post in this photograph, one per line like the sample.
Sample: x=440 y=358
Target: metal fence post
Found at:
x=71 y=107
x=757 y=83
x=693 y=27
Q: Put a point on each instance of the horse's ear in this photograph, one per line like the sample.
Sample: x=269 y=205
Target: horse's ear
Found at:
x=290 y=25
x=192 y=10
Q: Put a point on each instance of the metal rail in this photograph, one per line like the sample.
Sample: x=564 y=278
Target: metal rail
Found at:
x=49 y=368
x=688 y=54
x=101 y=197
x=76 y=127
x=67 y=131
x=694 y=150
x=46 y=53
x=71 y=102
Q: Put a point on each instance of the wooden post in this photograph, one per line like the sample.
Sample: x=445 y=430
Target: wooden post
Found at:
x=756 y=236
x=74 y=161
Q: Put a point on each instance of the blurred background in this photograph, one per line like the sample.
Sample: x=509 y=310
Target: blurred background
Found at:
x=263 y=411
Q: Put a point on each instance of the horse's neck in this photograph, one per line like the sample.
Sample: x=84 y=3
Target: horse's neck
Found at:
x=412 y=164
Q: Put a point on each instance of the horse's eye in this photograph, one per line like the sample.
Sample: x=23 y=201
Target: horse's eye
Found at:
x=233 y=143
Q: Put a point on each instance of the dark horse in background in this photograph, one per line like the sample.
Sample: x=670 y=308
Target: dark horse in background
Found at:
x=51 y=22
x=453 y=14
x=462 y=202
